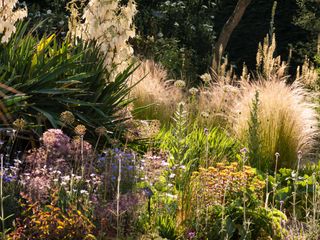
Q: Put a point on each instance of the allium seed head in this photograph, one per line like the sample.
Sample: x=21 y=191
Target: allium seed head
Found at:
x=180 y=84
x=80 y=130
x=19 y=124
x=206 y=77
x=67 y=117
x=193 y=91
x=101 y=131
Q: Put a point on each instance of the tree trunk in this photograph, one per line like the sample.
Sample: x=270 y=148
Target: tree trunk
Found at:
x=227 y=30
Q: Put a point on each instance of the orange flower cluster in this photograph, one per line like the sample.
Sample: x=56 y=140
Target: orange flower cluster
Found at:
x=218 y=185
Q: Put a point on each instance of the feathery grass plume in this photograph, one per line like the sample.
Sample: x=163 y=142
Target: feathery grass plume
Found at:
x=287 y=120
x=307 y=74
x=154 y=91
x=267 y=63
x=215 y=100
x=111 y=24
x=8 y=18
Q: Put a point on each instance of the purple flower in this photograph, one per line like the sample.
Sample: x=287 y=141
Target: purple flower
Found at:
x=191 y=234
x=244 y=150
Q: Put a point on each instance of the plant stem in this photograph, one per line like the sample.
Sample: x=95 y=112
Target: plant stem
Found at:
x=1 y=199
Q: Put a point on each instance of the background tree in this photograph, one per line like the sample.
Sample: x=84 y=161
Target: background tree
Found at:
x=308 y=18
x=227 y=30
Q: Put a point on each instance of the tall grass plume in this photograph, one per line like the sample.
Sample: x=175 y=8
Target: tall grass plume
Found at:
x=287 y=120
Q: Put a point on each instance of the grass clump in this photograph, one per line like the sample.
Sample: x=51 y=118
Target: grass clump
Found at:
x=287 y=120
x=155 y=95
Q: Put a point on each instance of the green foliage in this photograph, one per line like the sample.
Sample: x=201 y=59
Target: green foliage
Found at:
x=307 y=186
x=217 y=205
x=57 y=77
x=308 y=15
x=263 y=223
x=253 y=135
x=193 y=147
x=166 y=226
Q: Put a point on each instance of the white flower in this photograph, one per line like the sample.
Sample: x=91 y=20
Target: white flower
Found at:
x=172 y=175
x=84 y=192
x=112 y=26
x=171 y=196
x=206 y=77
x=164 y=163
x=49 y=11
x=183 y=167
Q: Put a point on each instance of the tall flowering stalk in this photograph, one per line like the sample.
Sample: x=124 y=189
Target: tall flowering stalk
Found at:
x=111 y=25
x=8 y=18
x=2 y=199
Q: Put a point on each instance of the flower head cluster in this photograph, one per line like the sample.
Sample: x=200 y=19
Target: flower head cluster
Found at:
x=111 y=25
x=206 y=77
x=80 y=130
x=180 y=84
x=8 y=17
x=19 y=124
x=67 y=117
x=193 y=91
x=223 y=182
x=56 y=140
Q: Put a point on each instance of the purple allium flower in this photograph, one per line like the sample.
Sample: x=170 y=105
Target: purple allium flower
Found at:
x=56 y=139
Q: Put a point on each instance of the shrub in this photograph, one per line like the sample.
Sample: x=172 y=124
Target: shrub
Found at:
x=223 y=198
x=287 y=120
x=199 y=145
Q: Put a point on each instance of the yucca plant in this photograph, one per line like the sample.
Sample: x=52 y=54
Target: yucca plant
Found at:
x=62 y=76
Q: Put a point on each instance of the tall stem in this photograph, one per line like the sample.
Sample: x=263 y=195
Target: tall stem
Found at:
x=1 y=200
x=81 y=153
x=118 y=197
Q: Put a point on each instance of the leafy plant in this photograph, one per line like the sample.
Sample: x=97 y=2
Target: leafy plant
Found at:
x=51 y=222
x=57 y=77
x=253 y=135
x=220 y=145
x=217 y=204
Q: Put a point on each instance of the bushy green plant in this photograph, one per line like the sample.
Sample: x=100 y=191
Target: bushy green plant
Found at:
x=58 y=77
x=217 y=205
x=193 y=145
